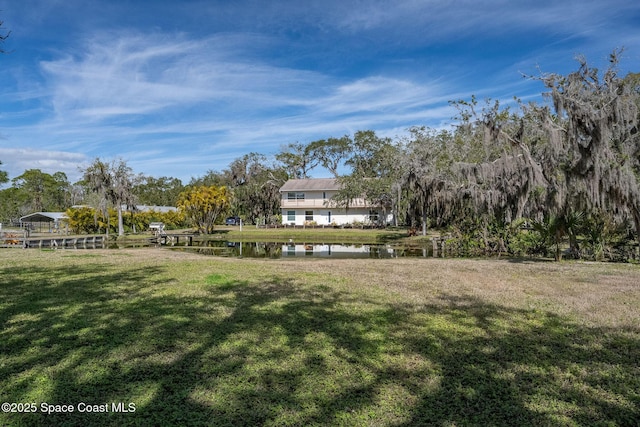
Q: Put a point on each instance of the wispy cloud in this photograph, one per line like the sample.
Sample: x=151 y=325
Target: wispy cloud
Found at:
x=458 y=18
x=208 y=80
x=125 y=77
x=144 y=96
x=132 y=76
x=193 y=85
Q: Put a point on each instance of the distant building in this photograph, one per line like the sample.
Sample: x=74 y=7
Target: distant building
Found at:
x=43 y=221
x=309 y=202
x=149 y=208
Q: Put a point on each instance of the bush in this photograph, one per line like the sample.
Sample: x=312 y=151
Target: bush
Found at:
x=86 y=220
x=82 y=220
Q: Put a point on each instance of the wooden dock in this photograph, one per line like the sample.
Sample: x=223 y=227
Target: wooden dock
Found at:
x=165 y=239
x=14 y=240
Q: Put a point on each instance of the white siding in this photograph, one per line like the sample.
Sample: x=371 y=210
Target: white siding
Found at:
x=302 y=196
x=321 y=216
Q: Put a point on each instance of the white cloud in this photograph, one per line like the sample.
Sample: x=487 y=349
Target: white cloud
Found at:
x=381 y=94
x=17 y=160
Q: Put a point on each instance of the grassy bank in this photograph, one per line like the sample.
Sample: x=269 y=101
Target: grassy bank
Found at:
x=192 y=340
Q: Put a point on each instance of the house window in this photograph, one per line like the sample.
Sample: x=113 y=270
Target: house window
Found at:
x=373 y=216
x=324 y=194
x=291 y=216
x=295 y=196
x=329 y=217
x=308 y=215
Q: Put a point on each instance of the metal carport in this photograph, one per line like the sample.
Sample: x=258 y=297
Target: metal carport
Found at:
x=50 y=220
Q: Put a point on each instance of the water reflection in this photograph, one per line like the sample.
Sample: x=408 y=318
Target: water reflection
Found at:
x=289 y=250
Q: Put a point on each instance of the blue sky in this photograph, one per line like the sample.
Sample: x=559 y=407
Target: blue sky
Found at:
x=176 y=88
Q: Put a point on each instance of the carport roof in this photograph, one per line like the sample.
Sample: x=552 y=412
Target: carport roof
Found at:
x=43 y=217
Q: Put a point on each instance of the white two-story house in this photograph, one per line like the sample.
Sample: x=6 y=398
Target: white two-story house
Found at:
x=308 y=202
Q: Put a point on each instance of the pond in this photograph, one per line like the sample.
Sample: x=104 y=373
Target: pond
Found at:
x=292 y=250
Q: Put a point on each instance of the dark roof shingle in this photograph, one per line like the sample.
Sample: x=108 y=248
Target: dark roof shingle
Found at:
x=316 y=184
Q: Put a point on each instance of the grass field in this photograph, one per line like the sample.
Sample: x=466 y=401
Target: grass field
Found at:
x=195 y=340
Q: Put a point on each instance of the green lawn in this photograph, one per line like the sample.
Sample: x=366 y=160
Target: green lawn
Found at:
x=195 y=340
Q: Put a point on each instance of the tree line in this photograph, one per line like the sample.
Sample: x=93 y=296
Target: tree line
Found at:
x=558 y=177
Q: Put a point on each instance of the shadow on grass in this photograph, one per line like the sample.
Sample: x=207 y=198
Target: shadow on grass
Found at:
x=279 y=352
x=216 y=232
x=530 y=260
x=392 y=236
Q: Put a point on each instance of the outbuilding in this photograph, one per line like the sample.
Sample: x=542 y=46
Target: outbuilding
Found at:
x=43 y=221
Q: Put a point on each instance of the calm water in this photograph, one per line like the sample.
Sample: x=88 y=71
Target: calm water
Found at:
x=318 y=250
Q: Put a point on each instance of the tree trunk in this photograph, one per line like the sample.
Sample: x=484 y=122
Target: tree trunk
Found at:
x=396 y=212
x=574 y=247
x=636 y=219
x=120 y=221
x=558 y=240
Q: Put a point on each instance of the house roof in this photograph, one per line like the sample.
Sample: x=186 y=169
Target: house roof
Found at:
x=162 y=209
x=316 y=184
x=43 y=217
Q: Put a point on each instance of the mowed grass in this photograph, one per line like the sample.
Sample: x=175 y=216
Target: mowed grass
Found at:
x=195 y=340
